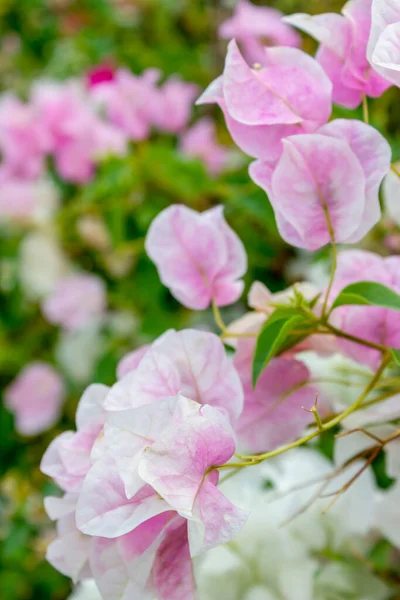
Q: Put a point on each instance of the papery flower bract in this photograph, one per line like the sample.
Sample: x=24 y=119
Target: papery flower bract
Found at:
x=166 y=442
x=288 y=93
x=274 y=411
x=371 y=323
x=384 y=42
x=198 y=256
x=76 y=300
x=189 y=361
x=325 y=185
x=68 y=458
x=391 y=195
x=343 y=51
x=256 y=27
x=35 y=397
x=172 y=105
x=200 y=142
x=131 y=360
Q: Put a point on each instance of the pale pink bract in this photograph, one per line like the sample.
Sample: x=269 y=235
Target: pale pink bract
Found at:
x=35 y=397
x=384 y=42
x=325 y=185
x=198 y=256
x=343 y=51
x=172 y=105
x=287 y=93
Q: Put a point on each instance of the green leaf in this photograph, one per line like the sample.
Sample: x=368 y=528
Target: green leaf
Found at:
x=395 y=355
x=370 y=293
x=275 y=331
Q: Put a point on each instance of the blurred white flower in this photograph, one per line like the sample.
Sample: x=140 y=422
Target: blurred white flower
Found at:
x=42 y=264
x=78 y=351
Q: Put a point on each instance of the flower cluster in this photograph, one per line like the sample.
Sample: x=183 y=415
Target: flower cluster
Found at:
x=141 y=475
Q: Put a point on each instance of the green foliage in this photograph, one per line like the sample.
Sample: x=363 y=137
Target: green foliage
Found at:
x=370 y=293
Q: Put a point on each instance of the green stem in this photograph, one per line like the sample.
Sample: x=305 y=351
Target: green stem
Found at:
x=333 y=272
x=365 y=110
x=255 y=459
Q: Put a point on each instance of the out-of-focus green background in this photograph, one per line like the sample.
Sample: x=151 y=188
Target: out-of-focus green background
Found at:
x=63 y=38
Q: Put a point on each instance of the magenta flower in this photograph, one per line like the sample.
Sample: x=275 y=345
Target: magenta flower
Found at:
x=288 y=93
x=384 y=41
x=100 y=74
x=343 y=51
x=172 y=105
x=378 y=325
x=198 y=256
x=35 y=397
x=75 y=301
x=255 y=27
x=325 y=185
x=200 y=142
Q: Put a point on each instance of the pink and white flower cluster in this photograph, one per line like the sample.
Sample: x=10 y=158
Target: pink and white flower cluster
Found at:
x=140 y=475
x=277 y=111
x=141 y=495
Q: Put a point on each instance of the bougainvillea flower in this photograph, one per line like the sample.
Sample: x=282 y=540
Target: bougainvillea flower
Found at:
x=69 y=552
x=175 y=469
x=262 y=105
x=200 y=142
x=374 y=324
x=35 y=397
x=189 y=361
x=343 y=51
x=129 y=101
x=334 y=175
x=68 y=458
x=78 y=137
x=76 y=301
x=273 y=412
x=172 y=105
x=384 y=42
x=198 y=256
x=255 y=27
x=152 y=559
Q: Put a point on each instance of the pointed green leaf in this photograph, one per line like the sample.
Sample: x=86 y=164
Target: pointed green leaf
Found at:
x=395 y=355
x=273 y=334
x=370 y=293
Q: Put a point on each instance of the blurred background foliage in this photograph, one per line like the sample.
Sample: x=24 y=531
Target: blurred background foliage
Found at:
x=63 y=38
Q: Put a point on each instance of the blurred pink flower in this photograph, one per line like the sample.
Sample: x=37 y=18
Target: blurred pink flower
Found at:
x=200 y=142
x=343 y=51
x=76 y=301
x=78 y=137
x=255 y=27
x=198 y=256
x=173 y=103
x=129 y=101
x=24 y=140
x=35 y=397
